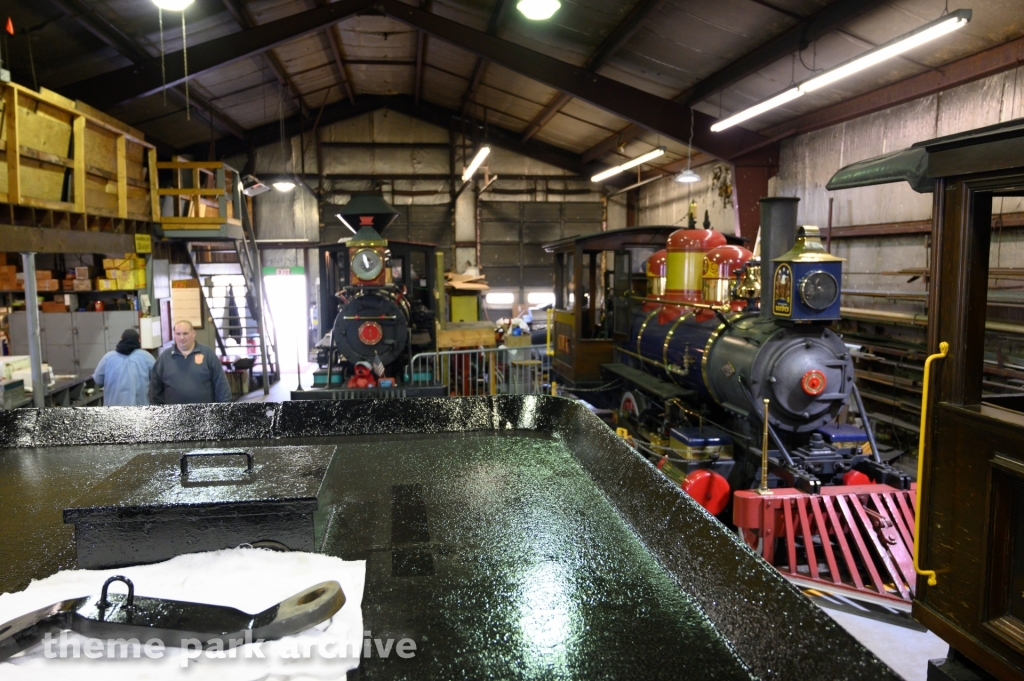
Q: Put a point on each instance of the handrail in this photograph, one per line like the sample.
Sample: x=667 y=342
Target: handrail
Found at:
x=699 y=306
x=551 y=316
x=930 y=574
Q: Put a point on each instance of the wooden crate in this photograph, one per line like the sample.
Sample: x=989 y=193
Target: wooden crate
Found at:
x=72 y=157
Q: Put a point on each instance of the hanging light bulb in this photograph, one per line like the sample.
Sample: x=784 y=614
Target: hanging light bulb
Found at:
x=173 y=5
x=687 y=176
x=538 y=10
x=283 y=185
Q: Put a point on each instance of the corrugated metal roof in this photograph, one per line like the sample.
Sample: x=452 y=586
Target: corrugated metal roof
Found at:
x=677 y=45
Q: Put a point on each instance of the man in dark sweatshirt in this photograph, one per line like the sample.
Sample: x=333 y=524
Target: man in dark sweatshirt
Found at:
x=188 y=372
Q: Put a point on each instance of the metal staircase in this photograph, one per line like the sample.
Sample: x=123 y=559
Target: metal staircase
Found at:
x=244 y=327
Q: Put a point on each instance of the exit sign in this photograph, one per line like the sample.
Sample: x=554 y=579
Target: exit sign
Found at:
x=282 y=271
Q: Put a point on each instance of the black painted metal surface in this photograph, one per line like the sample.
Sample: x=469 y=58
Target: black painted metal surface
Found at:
x=113 y=615
x=511 y=537
x=147 y=511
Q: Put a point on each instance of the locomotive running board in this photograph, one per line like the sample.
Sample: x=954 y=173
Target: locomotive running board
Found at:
x=856 y=538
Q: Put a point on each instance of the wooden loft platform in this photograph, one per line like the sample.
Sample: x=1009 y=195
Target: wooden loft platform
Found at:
x=205 y=201
x=95 y=200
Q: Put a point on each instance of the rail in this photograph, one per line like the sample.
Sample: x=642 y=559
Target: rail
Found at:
x=522 y=370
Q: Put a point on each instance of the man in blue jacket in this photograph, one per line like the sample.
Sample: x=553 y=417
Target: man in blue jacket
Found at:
x=124 y=373
x=188 y=372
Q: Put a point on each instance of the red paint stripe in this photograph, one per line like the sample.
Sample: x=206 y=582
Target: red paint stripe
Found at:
x=851 y=565
x=790 y=535
x=812 y=560
x=826 y=541
x=859 y=541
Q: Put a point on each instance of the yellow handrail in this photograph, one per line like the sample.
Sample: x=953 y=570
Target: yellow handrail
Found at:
x=930 y=574
x=547 y=346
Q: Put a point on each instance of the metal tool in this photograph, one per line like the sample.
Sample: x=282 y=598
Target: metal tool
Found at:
x=129 y=616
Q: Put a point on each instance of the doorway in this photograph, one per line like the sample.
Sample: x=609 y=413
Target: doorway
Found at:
x=286 y=296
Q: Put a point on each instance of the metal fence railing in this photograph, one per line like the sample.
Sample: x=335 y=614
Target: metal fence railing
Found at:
x=485 y=371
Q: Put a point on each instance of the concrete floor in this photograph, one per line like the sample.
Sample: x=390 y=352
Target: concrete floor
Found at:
x=906 y=650
x=281 y=391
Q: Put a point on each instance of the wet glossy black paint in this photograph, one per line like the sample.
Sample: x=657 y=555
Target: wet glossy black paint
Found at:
x=554 y=550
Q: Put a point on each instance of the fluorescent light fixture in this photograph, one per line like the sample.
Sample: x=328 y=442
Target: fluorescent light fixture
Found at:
x=687 y=176
x=475 y=163
x=173 y=5
x=758 y=109
x=930 y=31
x=538 y=10
x=639 y=160
x=926 y=33
x=344 y=222
x=283 y=185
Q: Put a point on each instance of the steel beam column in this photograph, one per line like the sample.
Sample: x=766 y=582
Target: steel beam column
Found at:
x=35 y=345
x=750 y=184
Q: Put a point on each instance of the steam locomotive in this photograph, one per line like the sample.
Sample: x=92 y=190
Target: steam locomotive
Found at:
x=377 y=304
x=731 y=356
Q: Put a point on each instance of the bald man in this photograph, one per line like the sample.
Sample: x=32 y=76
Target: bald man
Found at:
x=188 y=372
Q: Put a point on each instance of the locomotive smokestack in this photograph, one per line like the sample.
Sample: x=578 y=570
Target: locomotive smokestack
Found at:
x=778 y=234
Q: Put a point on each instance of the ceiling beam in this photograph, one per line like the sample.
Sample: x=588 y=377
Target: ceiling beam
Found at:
x=608 y=47
x=115 y=38
x=794 y=39
x=120 y=85
x=497 y=14
x=334 y=37
x=637 y=106
x=496 y=135
x=428 y=113
x=244 y=19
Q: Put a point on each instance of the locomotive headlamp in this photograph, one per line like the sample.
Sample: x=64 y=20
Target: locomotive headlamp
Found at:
x=819 y=290
x=367 y=264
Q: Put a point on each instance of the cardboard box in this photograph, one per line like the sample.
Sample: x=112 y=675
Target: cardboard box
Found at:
x=8 y=284
x=123 y=264
x=85 y=272
x=106 y=284
x=108 y=263
x=69 y=299
x=68 y=284
x=48 y=284
x=44 y=274
x=8 y=271
x=185 y=283
x=111 y=273
x=81 y=285
x=3 y=258
x=130 y=280
x=54 y=307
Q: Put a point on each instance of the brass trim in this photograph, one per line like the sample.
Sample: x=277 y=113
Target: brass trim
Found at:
x=707 y=351
x=643 y=327
x=668 y=339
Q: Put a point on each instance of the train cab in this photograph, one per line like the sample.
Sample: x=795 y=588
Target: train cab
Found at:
x=596 y=278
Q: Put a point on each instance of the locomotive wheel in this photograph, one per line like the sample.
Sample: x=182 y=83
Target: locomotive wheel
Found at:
x=633 y=404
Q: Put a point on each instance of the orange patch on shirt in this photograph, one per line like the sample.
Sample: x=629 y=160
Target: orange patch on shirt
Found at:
x=199 y=359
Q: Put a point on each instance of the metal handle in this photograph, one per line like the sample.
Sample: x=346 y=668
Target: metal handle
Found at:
x=184 y=458
x=104 y=603
x=930 y=574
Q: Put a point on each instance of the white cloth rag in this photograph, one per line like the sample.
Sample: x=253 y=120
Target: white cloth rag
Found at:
x=250 y=580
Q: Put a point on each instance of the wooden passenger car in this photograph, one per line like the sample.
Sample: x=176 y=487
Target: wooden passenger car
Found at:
x=972 y=495
x=584 y=337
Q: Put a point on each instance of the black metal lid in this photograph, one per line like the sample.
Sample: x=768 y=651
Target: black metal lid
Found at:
x=152 y=487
